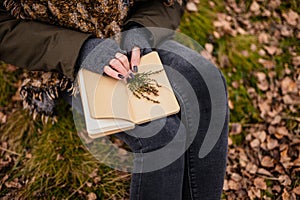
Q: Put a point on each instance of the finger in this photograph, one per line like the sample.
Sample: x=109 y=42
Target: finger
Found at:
x=135 y=58
x=113 y=73
x=123 y=59
x=118 y=66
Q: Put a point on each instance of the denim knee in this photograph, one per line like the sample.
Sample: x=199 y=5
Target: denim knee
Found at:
x=170 y=127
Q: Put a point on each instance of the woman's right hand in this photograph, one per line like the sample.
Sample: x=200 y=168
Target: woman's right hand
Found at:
x=120 y=67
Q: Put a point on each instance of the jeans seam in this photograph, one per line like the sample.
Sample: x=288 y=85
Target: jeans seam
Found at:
x=175 y=88
x=191 y=178
x=189 y=174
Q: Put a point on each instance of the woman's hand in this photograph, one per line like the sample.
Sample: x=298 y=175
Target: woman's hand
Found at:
x=120 y=67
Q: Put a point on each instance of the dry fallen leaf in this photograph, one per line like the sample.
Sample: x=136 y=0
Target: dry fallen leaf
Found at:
x=260 y=183
x=263 y=38
x=191 y=6
x=264 y=172
x=236 y=177
x=235 y=84
x=287 y=99
x=261 y=76
x=3 y=118
x=262 y=52
x=285 y=195
x=262 y=135
x=296 y=190
x=263 y=85
x=236 y=128
x=225 y=185
x=284 y=180
x=276 y=188
x=267 y=161
x=216 y=34
x=251 y=168
x=276 y=120
x=274 y=4
x=286 y=31
x=256 y=192
x=230 y=104
x=266 y=13
x=89 y=184
x=284 y=157
x=288 y=85
x=296 y=61
x=253 y=47
x=282 y=131
x=209 y=47
x=268 y=64
x=291 y=17
x=232 y=185
x=264 y=108
x=254 y=6
x=271 y=143
x=255 y=143
x=251 y=194
x=91 y=196
x=97 y=179
x=241 y=31
x=13 y=184
x=271 y=49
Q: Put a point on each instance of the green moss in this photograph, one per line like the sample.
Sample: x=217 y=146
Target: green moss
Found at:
x=198 y=25
x=19 y=131
x=241 y=70
x=238 y=139
x=7 y=80
x=234 y=47
x=291 y=4
x=60 y=164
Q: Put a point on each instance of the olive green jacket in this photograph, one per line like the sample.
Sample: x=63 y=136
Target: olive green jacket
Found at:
x=39 y=46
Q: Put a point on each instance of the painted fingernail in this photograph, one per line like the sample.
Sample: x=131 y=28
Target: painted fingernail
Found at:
x=121 y=76
x=131 y=75
x=135 y=68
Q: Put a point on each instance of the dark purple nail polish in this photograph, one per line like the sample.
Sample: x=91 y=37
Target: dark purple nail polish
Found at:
x=131 y=75
x=120 y=76
x=135 y=68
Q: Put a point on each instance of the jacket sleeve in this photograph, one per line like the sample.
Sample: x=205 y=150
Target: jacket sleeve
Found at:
x=153 y=13
x=38 y=46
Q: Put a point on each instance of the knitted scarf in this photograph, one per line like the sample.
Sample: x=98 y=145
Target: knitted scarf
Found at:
x=103 y=18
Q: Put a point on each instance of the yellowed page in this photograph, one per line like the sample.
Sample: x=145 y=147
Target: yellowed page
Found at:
x=107 y=97
x=101 y=134
x=99 y=127
x=144 y=110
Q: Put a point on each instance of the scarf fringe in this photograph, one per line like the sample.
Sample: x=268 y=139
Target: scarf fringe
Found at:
x=41 y=90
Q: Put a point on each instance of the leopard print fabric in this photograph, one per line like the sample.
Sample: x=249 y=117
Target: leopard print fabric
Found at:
x=83 y=15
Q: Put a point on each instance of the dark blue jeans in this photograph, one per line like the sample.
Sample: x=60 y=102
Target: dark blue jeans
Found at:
x=187 y=177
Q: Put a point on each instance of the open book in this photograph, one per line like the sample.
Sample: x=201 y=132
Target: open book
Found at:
x=110 y=107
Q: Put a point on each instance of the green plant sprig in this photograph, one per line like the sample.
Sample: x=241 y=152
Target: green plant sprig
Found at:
x=142 y=85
